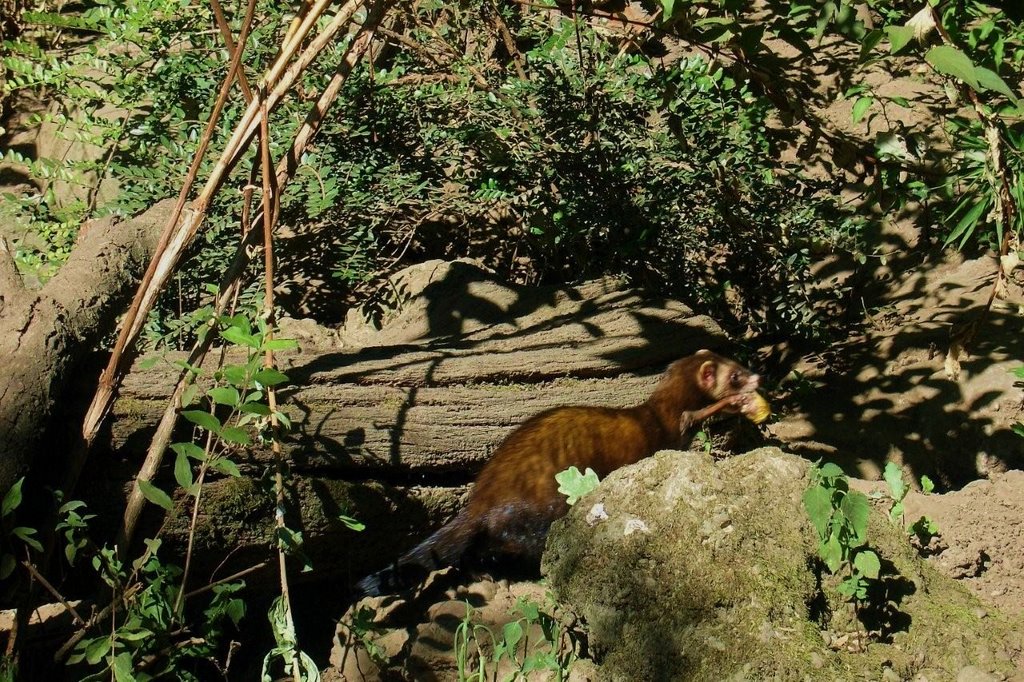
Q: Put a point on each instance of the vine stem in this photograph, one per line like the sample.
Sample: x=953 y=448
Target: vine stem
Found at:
x=207 y=454
x=269 y=201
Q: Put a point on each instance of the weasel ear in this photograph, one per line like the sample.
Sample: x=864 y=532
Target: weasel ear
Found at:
x=706 y=375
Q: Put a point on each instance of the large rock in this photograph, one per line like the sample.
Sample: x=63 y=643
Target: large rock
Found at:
x=708 y=571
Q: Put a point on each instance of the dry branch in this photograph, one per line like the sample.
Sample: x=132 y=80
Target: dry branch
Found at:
x=283 y=174
x=167 y=260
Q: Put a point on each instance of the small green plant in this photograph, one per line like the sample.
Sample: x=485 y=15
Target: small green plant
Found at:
x=11 y=502
x=840 y=517
x=704 y=441
x=575 y=485
x=478 y=651
x=148 y=633
x=924 y=528
x=363 y=628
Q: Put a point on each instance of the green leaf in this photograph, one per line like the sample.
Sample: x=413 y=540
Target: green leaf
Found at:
x=893 y=476
x=856 y=508
x=860 y=107
x=283 y=420
x=12 y=499
x=239 y=338
x=831 y=552
x=870 y=42
x=867 y=563
x=235 y=610
x=149 y=363
x=155 y=495
x=189 y=450
x=927 y=486
x=202 y=419
x=830 y=470
x=226 y=467
x=133 y=635
x=96 y=650
x=26 y=534
x=351 y=523
x=898 y=36
x=818 y=504
x=575 y=485
x=188 y=396
x=281 y=344
x=254 y=408
x=269 y=377
x=225 y=395
x=967 y=224
x=7 y=565
x=236 y=374
x=233 y=434
x=950 y=61
x=512 y=633
x=990 y=80
x=183 y=472
x=123 y=667
x=924 y=528
x=70 y=506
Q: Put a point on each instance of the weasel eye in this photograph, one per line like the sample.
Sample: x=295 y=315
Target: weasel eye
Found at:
x=735 y=378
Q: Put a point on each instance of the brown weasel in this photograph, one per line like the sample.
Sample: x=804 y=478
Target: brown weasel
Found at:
x=516 y=498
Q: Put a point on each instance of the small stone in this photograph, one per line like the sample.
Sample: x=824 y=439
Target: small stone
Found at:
x=980 y=613
x=635 y=526
x=890 y=675
x=596 y=514
x=817 y=660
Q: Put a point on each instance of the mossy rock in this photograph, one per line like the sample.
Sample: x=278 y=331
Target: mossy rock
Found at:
x=701 y=570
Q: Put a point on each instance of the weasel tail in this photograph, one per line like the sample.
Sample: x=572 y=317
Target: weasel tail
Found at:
x=515 y=497
x=444 y=548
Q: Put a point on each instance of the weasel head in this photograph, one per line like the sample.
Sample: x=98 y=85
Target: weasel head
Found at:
x=719 y=377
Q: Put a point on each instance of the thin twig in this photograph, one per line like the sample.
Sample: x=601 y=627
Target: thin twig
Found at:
x=98 y=617
x=52 y=590
x=510 y=44
x=229 y=42
x=207 y=454
x=234 y=576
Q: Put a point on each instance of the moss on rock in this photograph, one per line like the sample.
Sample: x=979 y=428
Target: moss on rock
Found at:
x=709 y=571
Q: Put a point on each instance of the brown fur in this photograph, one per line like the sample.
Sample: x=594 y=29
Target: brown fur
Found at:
x=516 y=497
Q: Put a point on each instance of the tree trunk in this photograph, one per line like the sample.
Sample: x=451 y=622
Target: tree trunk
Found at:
x=46 y=335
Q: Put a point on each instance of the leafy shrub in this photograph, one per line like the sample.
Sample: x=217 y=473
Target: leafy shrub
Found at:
x=596 y=163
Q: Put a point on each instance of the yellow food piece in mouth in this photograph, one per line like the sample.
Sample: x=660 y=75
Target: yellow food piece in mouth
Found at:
x=759 y=409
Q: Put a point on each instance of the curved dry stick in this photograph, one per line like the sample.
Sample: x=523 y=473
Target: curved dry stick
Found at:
x=182 y=235
x=284 y=172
